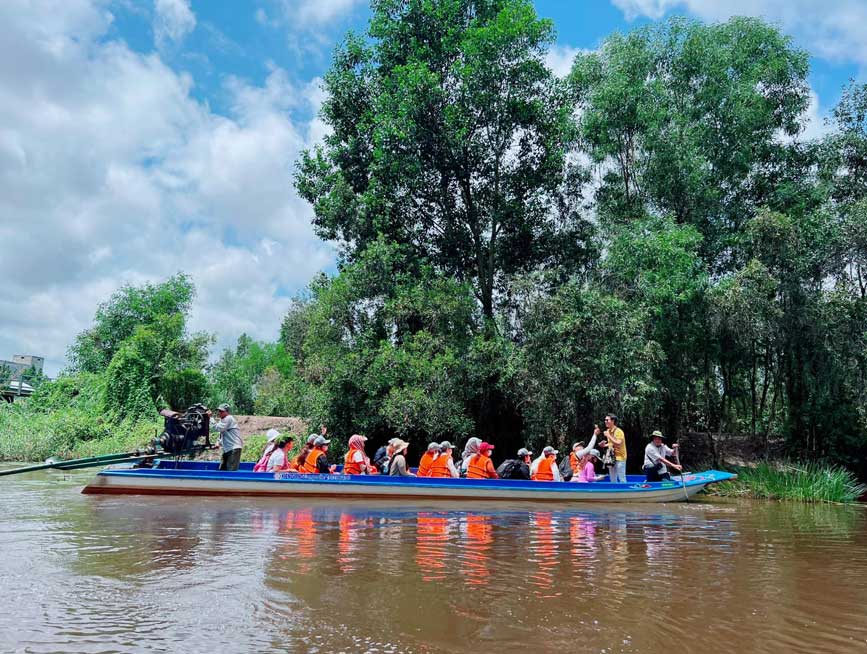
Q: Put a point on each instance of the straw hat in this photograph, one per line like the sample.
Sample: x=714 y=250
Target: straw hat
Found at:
x=399 y=446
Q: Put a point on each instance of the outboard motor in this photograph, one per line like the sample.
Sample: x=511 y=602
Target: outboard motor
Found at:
x=183 y=430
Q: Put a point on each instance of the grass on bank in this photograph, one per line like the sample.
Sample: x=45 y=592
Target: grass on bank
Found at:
x=810 y=482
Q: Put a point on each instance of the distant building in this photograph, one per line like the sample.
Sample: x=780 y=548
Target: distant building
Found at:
x=15 y=386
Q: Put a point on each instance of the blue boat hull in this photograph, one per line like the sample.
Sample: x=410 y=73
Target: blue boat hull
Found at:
x=203 y=478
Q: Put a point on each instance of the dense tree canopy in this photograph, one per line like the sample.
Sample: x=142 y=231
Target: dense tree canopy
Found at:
x=520 y=254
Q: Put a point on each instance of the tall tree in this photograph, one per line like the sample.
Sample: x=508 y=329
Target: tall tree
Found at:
x=685 y=119
x=450 y=135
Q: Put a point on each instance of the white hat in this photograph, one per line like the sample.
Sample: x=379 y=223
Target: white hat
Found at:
x=549 y=450
x=272 y=435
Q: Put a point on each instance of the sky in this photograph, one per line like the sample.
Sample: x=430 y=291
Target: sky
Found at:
x=139 y=138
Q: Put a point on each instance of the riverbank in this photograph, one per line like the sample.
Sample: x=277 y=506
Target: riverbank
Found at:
x=792 y=482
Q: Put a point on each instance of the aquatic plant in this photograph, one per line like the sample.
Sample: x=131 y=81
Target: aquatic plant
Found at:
x=808 y=482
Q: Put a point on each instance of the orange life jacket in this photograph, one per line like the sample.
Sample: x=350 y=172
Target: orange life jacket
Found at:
x=424 y=464
x=310 y=466
x=351 y=467
x=574 y=463
x=544 y=472
x=480 y=467
x=439 y=467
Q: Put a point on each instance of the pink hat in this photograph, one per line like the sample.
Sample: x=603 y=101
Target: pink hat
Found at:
x=485 y=446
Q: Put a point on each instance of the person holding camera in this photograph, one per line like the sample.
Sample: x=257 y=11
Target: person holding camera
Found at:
x=615 y=441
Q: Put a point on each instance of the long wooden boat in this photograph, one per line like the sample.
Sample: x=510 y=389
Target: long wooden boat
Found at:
x=169 y=477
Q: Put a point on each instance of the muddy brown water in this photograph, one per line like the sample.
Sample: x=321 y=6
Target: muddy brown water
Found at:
x=104 y=574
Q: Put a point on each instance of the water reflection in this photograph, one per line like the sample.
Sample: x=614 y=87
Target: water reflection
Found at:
x=342 y=576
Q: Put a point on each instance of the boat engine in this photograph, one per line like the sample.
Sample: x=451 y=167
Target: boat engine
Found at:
x=182 y=431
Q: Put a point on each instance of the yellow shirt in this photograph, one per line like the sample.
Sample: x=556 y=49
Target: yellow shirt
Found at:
x=617 y=440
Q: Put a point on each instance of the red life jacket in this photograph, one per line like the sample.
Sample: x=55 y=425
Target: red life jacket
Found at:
x=424 y=465
x=310 y=466
x=351 y=467
x=544 y=472
x=439 y=467
x=480 y=467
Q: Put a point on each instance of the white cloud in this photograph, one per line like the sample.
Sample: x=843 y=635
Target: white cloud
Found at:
x=173 y=20
x=561 y=57
x=833 y=29
x=318 y=12
x=112 y=173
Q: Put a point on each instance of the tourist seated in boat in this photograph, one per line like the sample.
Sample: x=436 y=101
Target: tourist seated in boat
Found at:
x=470 y=449
x=656 y=462
x=544 y=467
x=571 y=465
x=433 y=450
x=317 y=460
x=278 y=461
x=270 y=444
x=516 y=468
x=397 y=466
x=587 y=473
x=480 y=465
x=443 y=467
x=383 y=455
x=305 y=450
x=356 y=461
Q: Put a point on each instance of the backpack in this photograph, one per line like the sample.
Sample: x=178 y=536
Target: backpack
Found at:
x=507 y=468
x=565 y=469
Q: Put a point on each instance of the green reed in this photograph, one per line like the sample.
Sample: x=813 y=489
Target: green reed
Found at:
x=795 y=482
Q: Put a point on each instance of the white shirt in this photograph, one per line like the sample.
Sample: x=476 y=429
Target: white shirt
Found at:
x=277 y=460
x=653 y=454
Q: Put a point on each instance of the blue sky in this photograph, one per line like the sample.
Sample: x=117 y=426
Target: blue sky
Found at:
x=139 y=138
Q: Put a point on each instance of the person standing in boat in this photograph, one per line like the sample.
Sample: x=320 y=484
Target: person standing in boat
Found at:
x=317 y=460
x=616 y=440
x=356 y=462
x=544 y=467
x=397 y=466
x=433 y=450
x=443 y=467
x=480 y=465
x=230 y=438
x=656 y=461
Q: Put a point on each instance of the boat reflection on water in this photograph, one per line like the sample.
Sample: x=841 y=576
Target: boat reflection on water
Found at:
x=328 y=575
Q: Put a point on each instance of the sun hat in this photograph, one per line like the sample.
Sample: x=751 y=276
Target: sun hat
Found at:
x=321 y=440
x=524 y=452
x=595 y=452
x=657 y=434
x=549 y=450
x=445 y=445
x=392 y=441
x=399 y=445
x=311 y=438
x=223 y=407
x=577 y=445
x=433 y=447
x=272 y=435
x=483 y=446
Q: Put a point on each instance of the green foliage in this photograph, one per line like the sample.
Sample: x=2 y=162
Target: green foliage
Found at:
x=128 y=309
x=812 y=482
x=450 y=137
x=585 y=354
x=235 y=376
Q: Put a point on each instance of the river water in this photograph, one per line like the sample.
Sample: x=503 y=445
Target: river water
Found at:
x=84 y=573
